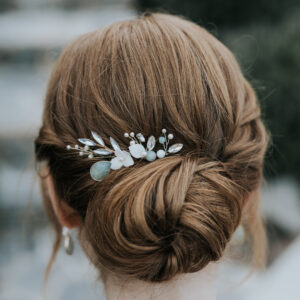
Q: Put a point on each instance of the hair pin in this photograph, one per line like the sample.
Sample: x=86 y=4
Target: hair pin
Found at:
x=119 y=158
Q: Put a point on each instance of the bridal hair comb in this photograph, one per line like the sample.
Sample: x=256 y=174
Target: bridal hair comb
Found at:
x=96 y=148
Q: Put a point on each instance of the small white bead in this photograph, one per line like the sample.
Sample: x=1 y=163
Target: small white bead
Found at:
x=126 y=134
x=91 y=155
x=80 y=153
x=161 y=153
x=144 y=153
x=132 y=134
x=170 y=136
x=76 y=146
x=164 y=130
x=86 y=147
x=68 y=147
x=132 y=142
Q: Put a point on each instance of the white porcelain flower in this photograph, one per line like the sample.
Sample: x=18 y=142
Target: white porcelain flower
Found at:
x=123 y=158
x=137 y=150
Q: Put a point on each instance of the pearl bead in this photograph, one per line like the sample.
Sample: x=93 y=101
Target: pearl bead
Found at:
x=68 y=147
x=162 y=139
x=91 y=155
x=132 y=142
x=164 y=130
x=80 y=153
x=126 y=134
x=132 y=134
x=76 y=146
x=170 y=136
x=144 y=153
x=86 y=147
x=161 y=153
x=151 y=155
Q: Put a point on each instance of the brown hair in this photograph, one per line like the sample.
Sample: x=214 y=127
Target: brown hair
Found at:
x=175 y=214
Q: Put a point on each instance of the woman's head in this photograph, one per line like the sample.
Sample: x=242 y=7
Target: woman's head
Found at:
x=175 y=214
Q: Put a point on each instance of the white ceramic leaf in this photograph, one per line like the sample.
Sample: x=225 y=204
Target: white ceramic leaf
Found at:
x=175 y=148
x=102 y=152
x=128 y=161
x=119 y=153
x=114 y=143
x=151 y=143
x=98 y=138
x=140 y=136
x=116 y=163
x=87 y=142
x=137 y=150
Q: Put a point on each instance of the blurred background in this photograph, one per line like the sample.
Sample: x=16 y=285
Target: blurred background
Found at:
x=265 y=38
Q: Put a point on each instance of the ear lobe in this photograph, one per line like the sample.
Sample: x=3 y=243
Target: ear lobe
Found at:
x=69 y=217
x=65 y=214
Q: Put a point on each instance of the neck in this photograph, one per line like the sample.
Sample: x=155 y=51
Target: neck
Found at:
x=192 y=286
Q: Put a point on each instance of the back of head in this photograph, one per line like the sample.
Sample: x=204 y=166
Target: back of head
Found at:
x=178 y=213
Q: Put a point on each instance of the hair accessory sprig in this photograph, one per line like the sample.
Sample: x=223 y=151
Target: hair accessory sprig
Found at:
x=96 y=148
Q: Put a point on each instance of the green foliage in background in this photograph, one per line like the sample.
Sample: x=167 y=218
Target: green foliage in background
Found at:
x=231 y=13
x=265 y=38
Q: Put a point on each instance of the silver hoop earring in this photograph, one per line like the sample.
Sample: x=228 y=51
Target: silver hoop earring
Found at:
x=68 y=241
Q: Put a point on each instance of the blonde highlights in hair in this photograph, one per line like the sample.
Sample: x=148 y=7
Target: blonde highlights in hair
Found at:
x=175 y=215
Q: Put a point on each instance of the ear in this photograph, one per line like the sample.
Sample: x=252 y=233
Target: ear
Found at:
x=65 y=214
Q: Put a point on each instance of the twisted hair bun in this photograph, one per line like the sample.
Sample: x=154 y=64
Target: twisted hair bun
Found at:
x=175 y=214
